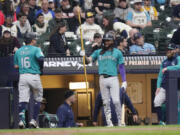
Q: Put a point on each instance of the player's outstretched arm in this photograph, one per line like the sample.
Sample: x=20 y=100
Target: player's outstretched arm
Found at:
x=122 y=72
x=87 y=59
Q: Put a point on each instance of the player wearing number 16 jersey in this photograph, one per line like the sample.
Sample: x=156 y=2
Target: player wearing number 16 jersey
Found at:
x=29 y=59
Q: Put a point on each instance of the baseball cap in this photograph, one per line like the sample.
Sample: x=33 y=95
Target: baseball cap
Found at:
x=137 y=1
x=68 y=94
x=171 y=46
x=29 y=37
x=137 y=36
x=89 y=14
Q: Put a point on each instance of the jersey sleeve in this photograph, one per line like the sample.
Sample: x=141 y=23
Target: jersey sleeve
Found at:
x=160 y=76
x=176 y=67
x=94 y=55
x=121 y=58
x=39 y=53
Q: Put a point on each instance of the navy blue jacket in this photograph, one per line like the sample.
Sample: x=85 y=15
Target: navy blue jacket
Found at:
x=166 y=63
x=99 y=105
x=65 y=116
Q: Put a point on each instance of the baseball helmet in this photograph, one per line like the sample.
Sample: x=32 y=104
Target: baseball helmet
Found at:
x=108 y=36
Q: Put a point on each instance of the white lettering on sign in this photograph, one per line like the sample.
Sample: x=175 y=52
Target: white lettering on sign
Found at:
x=50 y=64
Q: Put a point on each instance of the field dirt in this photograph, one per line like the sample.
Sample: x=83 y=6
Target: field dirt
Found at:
x=71 y=131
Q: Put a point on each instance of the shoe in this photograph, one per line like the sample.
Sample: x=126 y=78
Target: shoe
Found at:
x=121 y=125
x=109 y=124
x=162 y=123
x=22 y=124
x=33 y=124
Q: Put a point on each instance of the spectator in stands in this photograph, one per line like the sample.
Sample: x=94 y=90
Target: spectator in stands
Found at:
x=18 y=8
x=176 y=37
x=51 y=5
x=8 y=44
x=107 y=23
x=140 y=47
x=8 y=9
x=89 y=28
x=48 y=14
x=74 y=21
x=53 y=23
x=110 y=25
x=23 y=24
x=122 y=45
x=176 y=13
x=1 y=18
x=121 y=11
x=26 y=10
x=122 y=28
x=96 y=44
x=101 y=6
x=40 y=26
x=151 y=10
x=131 y=36
x=58 y=43
x=65 y=113
x=8 y=25
x=137 y=18
x=67 y=9
x=33 y=8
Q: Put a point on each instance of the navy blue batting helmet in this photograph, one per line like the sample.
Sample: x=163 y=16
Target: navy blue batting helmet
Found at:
x=108 y=36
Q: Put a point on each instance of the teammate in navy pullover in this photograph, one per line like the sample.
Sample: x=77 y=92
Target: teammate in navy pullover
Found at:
x=65 y=116
x=99 y=105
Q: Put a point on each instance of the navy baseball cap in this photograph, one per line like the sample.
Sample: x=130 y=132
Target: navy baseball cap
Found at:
x=68 y=94
x=171 y=46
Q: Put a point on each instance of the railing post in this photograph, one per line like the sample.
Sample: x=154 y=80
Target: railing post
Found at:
x=172 y=97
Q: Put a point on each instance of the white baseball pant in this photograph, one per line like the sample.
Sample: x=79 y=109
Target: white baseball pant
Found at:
x=160 y=98
x=110 y=89
x=29 y=82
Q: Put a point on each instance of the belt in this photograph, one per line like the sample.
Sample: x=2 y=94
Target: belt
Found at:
x=106 y=76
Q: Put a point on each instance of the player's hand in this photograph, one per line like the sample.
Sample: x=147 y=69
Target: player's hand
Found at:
x=157 y=91
x=94 y=123
x=135 y=118
x=124 y=85
x=95 y=44
x=164 y=70
x=82 y=53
